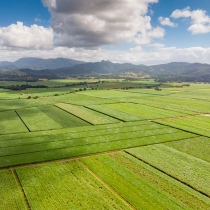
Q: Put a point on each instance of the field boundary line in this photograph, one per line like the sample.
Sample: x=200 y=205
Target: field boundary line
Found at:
x=168 y=174
x=167 y=109
x=108 y=115
x=73 y=114
x=22 y=121
x=20 y=187
x=198 y=134
x=106 y=185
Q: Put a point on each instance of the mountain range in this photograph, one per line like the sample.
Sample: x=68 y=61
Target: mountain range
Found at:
x=62 y=67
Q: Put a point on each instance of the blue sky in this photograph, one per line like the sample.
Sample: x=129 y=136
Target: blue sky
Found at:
x=136 y=31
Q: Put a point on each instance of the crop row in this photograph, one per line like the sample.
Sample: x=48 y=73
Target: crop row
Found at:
x=185 y=168
x=141 y=195
x=87 y=114
x=74 y=130
x=78 y=99
x=63 y=135
x=66 y=185
x=61 y=117
x=144 y=111
x=21 y=103
x=115 y=113
x=36 y=120
x=80 y=141
x=11 y=196
x=71 y=147
x=198 y=147
x=195 y=124
x=183 y=104
x=172 y=188
x=11 y=123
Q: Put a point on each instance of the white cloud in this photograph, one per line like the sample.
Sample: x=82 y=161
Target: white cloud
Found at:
x=157 y=45
x=136 y=49
x=94 y=23
x=200 y=20
x=135 y=55
x=166 y=22
x=146 y=36
x=20 y=36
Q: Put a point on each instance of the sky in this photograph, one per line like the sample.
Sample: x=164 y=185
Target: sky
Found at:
x=136 y=31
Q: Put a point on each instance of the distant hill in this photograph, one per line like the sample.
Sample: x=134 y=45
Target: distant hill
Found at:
x=38 y=63
x=60 y=67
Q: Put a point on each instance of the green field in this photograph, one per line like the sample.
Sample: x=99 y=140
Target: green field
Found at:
x=11 y=195
x=190 y=170
x=197 y=124
x=61 y=117
x=105 y=144
x=36 y=120
x=86 y=114
x=11 y=123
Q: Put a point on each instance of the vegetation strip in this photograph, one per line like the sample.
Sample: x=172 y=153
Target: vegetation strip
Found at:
x=76 y=130
x=142 y=195
x=87 y=114
x=185 y=164
x=104 y=183
x=186 y=195
x=143 y=131
x=61 y=144
x=20 y=187
x=75 y=151
x=11 y=195
x=22 y=121
x=78 y=189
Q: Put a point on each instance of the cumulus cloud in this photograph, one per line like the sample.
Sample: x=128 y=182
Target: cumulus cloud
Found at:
x=166 y=22
x=157 y=45
x=146 y=36
x=200 y=20
x=20 y=36
x=135 y=55
x=94 y=23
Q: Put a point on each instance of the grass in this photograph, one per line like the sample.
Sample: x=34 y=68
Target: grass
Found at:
x=142 y=195
x=76 y=99
x=115 y=113
x=11 y=123
x=198 y=147
x=11 y=195
x=36 y=120
x=196 y=124
x=60 y=149
x=143 y=111
x=77 y=189
x=86 y=114
x=20 y=103
x=187 y=169
x=61 y=117
x=187 y=196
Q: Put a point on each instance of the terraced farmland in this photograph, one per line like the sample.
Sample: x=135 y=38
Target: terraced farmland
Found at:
x=106 y=149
